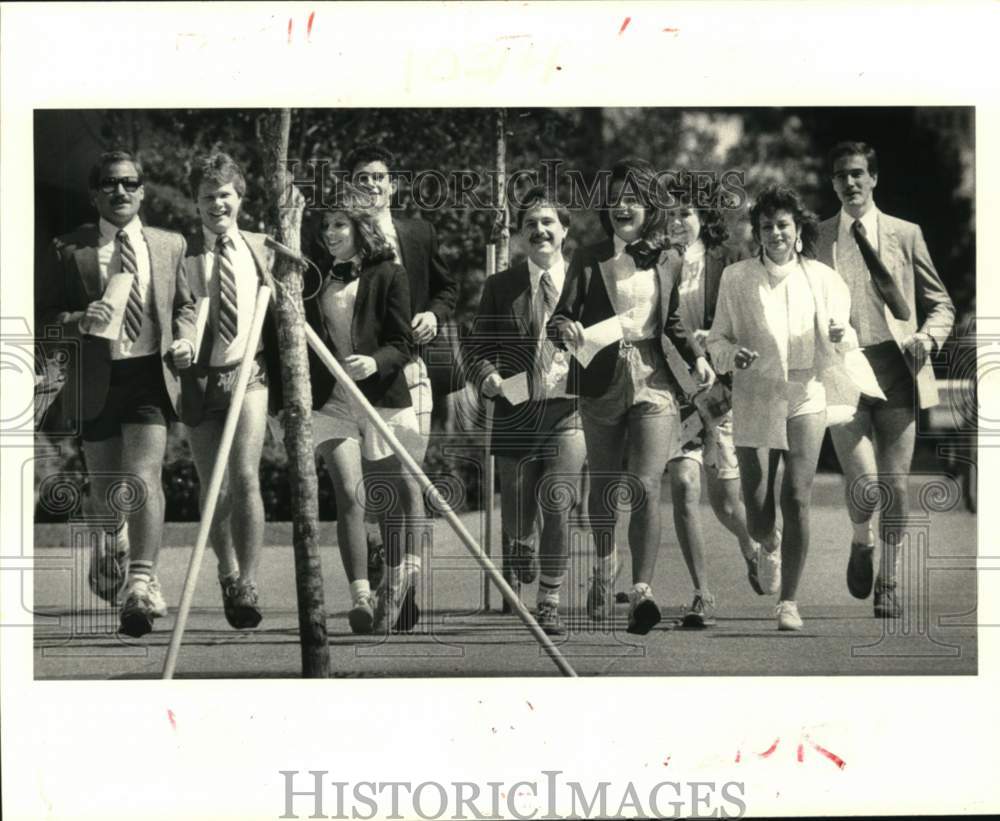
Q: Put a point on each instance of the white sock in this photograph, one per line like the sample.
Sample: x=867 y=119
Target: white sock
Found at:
x=359 y=588
x=548 y=588
x=862 y=533
x=396 y=575
x=639 y=589
x=412 y=561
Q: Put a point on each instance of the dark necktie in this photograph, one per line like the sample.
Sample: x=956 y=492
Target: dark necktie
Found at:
x=643 y=253
x=229 y=315
x=344 y=271
x=133 y=308
x=884 y=283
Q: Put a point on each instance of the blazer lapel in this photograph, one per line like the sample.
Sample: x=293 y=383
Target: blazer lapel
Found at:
x=827 y=243
x=713 y=276
x=259 y=254
x=520 y=305
x=360 y=298
x=406 y=245
x=158 y=279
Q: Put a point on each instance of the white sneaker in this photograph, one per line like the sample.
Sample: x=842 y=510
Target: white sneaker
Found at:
x=156 y=599
x=788 y=616
x=769 y=567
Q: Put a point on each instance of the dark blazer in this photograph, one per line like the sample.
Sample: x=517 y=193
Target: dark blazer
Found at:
x=585 y=300
x=716 y=261
x=432 y=287
x=68 y=279
x=195 y=378
x=902 y=249
x=380 y=328
x=503 y=341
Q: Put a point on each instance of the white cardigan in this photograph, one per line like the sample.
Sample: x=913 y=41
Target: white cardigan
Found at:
x=760 y=393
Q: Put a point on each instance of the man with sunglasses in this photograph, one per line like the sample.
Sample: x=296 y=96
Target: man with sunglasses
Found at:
x=122 y=383
x=433 y=290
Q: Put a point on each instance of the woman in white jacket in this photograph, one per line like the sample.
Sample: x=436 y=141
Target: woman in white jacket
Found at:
x=780 y=322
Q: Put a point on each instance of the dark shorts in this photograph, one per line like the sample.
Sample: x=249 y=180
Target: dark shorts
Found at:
x=136 y=396
x=533 y=427
x=893 y=375
x=221 y=383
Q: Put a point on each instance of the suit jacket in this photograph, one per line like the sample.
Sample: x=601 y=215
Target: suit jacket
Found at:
x=503 y=339
x=717 y=259
x=68 y=278
x=902 y=249
x=585 y=299
x=432 y=287
x=195 y=378
x=380 y=328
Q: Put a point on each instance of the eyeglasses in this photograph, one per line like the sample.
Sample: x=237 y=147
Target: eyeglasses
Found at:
x=365 y=177
x=110 y=184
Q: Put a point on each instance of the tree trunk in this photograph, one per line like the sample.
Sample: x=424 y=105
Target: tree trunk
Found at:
x=503 y=218
x=285 y=223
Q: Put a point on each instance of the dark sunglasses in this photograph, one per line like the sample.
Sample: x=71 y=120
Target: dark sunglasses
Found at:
x=110 y=184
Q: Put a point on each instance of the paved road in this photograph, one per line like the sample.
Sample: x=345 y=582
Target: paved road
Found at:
x=75 y=632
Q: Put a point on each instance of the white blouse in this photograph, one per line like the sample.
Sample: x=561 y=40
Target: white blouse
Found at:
x=634 y=294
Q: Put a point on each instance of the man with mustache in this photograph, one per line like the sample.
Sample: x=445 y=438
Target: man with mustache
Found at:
x=902 y=314
x=538 y=443
x=126 y=380
x=433 y=293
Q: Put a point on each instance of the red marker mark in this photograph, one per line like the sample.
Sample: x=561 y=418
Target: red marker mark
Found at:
x=737 y=756
x=770 y=749
x=798 y=754
x=666 y=761
x=170 y=715
x=289 y=31
x=621 y=31
x=836 y=759
x=530 y=706
x=671 y=31
x=309 y=25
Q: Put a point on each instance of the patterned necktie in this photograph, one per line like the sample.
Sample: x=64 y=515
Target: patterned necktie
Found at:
x=884 y=283
x=133 y=308
x=228 y=305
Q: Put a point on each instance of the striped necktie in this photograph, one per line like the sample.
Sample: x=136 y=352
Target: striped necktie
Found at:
x=133 y=308
x=228 y=305
x=881 y=278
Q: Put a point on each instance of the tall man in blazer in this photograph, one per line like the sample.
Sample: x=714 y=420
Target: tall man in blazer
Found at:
x=433 y=290
x=902 y=315
x=123 y=390
x=539 y=442
x=225 y=267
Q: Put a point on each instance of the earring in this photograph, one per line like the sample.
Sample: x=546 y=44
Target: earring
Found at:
x=798 y=245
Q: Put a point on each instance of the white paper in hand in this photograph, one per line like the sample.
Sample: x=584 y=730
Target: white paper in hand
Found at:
x=515 y=389
x=116 y=293
x=596 y=338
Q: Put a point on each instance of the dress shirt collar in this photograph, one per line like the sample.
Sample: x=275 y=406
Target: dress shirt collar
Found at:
x=109 y=231
x=869 y=221
x=695 y=251
x=211 y=238
x=557 y=271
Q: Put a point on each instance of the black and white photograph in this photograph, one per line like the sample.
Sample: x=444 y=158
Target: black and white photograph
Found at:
x=382 y=367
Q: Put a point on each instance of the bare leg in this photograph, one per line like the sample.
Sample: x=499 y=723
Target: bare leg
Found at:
x=805 y=437
x=204 y=440
x=758 y=469
x=246 y=522
x=342 y=458
x=685 y=493
x=651 y=438
x=724 y=497
x=895 y=434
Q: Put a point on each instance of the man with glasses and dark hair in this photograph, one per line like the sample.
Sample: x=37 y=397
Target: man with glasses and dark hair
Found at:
x=902 y=314
x=118 y=288
x=433 y=290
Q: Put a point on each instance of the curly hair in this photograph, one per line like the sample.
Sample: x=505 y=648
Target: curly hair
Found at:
x=640 y=178
x=371 y=245
x=777 y=197
x=714 y=231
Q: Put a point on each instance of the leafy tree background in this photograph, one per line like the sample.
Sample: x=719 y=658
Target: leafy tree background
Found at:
x=927 y=172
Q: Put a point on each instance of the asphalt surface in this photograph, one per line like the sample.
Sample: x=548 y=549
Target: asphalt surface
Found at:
x=75 y=633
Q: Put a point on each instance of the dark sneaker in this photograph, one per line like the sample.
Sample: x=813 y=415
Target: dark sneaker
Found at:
x=361 y=616
x=137 y=612
x=523 y=562
x=860 y=571
x=376 y=561
x=108 y=574
x=547 y=616
x=230 y=593
x=699 y=616
x=643 y=614
x=887 y=604
x=515 y=585
x=240 y=604
x=753 y=562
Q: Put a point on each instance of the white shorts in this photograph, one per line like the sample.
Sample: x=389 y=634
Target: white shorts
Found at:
x=342 y=418
x=714 y=449
x=421 y=394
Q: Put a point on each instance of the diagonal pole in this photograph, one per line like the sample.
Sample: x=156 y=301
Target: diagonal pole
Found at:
x=516 y=605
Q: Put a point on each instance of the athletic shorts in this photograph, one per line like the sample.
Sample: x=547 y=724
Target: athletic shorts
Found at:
x=640 y=386
x=136 y=396
x=222 y=382
x=714 y=449
x=893 y=375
